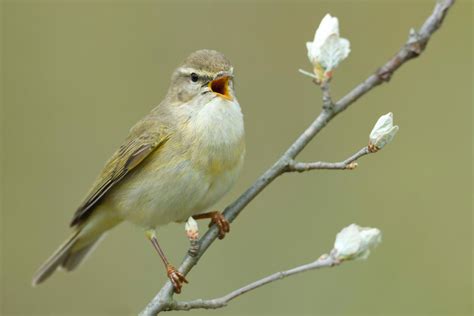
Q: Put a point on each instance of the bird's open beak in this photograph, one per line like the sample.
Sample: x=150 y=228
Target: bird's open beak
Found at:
x=220 y=86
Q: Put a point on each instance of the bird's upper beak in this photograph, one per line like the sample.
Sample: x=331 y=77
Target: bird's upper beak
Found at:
x=220 y=86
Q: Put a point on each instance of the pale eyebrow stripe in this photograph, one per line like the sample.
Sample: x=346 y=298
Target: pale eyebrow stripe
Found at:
x=189 y=71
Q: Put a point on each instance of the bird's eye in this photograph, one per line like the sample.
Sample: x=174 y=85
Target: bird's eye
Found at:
x=194 y=77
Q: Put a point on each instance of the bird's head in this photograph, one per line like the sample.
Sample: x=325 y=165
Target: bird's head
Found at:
x=203 y=76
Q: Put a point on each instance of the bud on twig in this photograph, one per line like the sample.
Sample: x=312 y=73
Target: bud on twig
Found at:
x=383 y=132
x=192 y=229
x=327 y=49
x=355 y=242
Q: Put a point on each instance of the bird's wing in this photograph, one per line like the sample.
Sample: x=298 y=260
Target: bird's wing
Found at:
x=133 y=151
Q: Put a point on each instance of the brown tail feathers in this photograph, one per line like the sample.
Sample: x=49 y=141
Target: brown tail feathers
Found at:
x=66 y=257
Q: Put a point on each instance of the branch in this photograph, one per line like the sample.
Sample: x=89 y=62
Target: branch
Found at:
x=328 y=105
x=415 y=45
x=348 y=164
x=352 y=243
x=413 y=48
x=325 y=261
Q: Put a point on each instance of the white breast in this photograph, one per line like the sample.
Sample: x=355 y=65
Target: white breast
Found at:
x=218 y=124
x=172 y=189
x=219 y=132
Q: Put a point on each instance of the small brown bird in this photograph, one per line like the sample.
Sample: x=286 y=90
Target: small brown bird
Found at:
x=176 y=163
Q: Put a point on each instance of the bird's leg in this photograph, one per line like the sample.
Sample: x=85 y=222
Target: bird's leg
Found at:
x=218 y=219
x=176 y=277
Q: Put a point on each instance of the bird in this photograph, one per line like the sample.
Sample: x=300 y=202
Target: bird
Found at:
x=175 y=163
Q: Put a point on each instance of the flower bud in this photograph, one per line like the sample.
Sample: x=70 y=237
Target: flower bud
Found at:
x=355 y=242
x=192 y=229
x=327 y=49
x=382 y=133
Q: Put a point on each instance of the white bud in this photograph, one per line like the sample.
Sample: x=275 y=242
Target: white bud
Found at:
x=383 y=131
x=327 y=49
x=355 y=242
x=191 y=228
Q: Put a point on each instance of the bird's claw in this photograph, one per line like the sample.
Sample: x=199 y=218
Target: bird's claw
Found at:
x=221 y=222
x=176 y=278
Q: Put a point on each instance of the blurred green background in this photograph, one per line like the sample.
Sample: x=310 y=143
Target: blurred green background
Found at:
x=78 y=74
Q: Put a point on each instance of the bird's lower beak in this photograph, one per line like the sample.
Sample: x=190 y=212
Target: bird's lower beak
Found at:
x=220 y=86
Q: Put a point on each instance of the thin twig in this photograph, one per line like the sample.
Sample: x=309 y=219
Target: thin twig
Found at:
x=327 y=100
x=348 y=164
x=414 y=47
x=325 y=261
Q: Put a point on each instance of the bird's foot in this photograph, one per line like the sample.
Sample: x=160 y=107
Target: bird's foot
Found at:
x=176 y=278
x=221 y=222
x=218 y=219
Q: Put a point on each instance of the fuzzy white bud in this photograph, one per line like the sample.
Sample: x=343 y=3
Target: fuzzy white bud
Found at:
x=327 y=50
x=383 y=132
x=355 y=242
x=192 y=229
